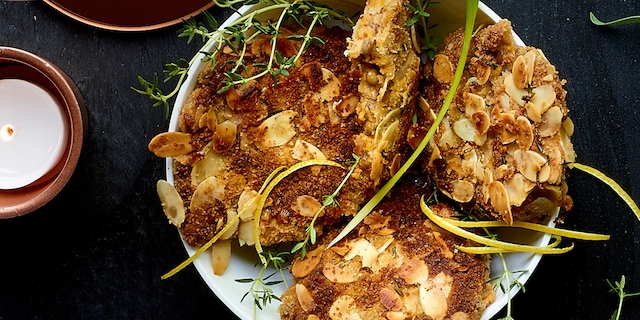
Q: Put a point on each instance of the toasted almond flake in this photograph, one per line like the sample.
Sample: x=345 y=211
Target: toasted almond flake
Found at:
x=336 y=274
x=505 y=127
x=499 y=198
x=433 y=302
x=363 y=248
x=413 y=271
x=390 y=299
x=208 y=120
x=276 y=130
x=347 y=106
x=247 y=204
x=517 y=94
x=481 y=121
x=473 y=103
x=304 y=297
x=520 y=75
x=442 y=68
x=306 y=206
x=530 y=60
x=212 y=164
x=220 y=256
x=332 y=88
x=172 y=204
x=529 y=163
x=545 y=173
x=518 y=188
x=302 y=268
x=551 y=122
x=208 y=192
x=524 y=132
x=462 y=191
x=465 y=129
x=171 y=144
x=342 y=309
x=225 y=136
x=483 y=74
x=543 y=98
x=246 y=235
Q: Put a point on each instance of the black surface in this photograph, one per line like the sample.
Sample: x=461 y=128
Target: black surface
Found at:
x=98 y=249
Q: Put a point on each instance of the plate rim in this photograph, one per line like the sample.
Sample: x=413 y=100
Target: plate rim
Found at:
x=114 y=27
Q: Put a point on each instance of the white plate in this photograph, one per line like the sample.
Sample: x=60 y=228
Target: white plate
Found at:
x=449 y=16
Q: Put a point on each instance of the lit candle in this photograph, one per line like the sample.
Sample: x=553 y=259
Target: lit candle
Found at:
x=33 y=133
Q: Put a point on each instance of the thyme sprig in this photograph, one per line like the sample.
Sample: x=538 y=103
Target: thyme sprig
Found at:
x=327 y=201
x=506 y=282
x=236 y=36
x=618 y=288
x=260 y=289
x=420 y=19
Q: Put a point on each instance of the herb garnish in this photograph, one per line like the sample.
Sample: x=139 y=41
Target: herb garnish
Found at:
x=420 y=19
x=618 y=288
x=617 y=22
x=328 y=201
x=236 y=36
x=260 y=289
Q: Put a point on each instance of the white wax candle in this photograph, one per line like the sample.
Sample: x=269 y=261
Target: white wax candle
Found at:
x=33 y=133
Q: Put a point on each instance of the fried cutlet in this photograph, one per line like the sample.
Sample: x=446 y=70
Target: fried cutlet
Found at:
x=398 y=265
x=505 y=139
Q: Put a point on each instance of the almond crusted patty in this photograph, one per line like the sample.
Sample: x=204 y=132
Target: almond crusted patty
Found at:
x=398 y=265
x=505 y=138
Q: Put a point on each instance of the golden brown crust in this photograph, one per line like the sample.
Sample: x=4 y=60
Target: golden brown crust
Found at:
x=505 y=138
x=397 y=266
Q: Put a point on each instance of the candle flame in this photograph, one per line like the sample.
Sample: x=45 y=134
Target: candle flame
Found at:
x=7 y=132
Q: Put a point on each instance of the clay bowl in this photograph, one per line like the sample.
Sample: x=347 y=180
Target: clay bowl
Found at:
x=23 y=65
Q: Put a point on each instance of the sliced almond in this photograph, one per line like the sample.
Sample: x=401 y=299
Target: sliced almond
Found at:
x=517 y=94
x=529 y=163
x=225 y=136
x=483 y=73
x=304 y=297
x=520 y=75
x=171 y=144
x=518 y=188
x=276 y=130
x=207 y=194
x=500 y=202
x=524 y=132
x=462 y=191
x=302 y=268
x=246 y=235
x=343 y=309
x=212 y=164
x=336 y=274
x=543 y=98
x=363 y=248
x=220 y=256
x=433 y=302
x=247 y=204
x=390 y=299
x=172 y=204
x=465 y=129
x=306 y=206
x=473 y=103
x=442 y=68
x=505 y=127
x=551 y=122
x=413 y=271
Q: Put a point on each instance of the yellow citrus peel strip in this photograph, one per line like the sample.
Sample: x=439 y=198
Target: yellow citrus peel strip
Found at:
x=266 y=190
x=446 y=224
x=611 y=183
x=530 y=226
x=491 y=250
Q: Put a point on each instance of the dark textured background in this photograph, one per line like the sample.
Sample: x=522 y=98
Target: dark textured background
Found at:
x=98 y=249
